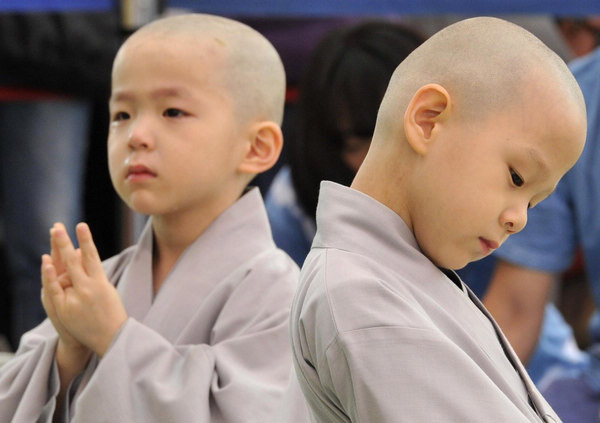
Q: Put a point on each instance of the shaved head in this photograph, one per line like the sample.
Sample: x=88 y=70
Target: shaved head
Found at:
x=485 y=64
x=252 y=69
x=479 y=102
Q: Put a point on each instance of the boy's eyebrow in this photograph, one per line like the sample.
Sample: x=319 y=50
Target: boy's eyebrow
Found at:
x=158 y=93
x=170 y=92
x=537 y=158
x=120 y=96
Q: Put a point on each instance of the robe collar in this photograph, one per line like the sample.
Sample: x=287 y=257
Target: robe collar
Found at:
x=350 y=220
x=240 y=233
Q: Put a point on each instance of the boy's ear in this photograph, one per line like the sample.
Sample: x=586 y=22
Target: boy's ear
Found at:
x=427 y=109
x=266 y=142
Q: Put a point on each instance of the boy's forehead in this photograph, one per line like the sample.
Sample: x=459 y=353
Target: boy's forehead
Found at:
x=180 y=51
x=192 y=43
x=159 y=68
x=556 y=122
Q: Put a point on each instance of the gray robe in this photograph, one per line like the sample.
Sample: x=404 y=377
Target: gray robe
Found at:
x=212 y=346
x=380 y=334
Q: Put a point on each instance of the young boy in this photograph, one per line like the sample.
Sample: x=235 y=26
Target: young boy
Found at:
x=196 y=328
x=477 y=125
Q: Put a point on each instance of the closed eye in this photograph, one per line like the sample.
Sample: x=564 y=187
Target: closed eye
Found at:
x=516 y=179
x=118 y=116
x=171 y=112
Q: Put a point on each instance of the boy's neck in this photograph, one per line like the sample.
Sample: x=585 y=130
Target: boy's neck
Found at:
x=173 y=234
x=386 y=187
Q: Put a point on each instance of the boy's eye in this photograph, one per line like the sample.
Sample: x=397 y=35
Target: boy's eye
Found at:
x=173 y=113
x=120 y=116
x=516 y=179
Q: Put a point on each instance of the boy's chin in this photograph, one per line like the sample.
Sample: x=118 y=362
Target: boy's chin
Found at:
x=462 y=265
x=452 y=263
x=141 y=203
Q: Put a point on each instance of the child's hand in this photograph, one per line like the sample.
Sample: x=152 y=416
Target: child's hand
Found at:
x=53 y=271
x=85 y=302
x=49 y=278
x=71 y=355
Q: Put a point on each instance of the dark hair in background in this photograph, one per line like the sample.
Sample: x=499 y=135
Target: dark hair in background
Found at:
x=345 y=81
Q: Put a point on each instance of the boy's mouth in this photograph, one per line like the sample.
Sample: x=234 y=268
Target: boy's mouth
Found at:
x=138 y=173
x=487 y=245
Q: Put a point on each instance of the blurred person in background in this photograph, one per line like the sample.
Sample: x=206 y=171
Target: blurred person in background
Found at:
x=54 y=65
x=340 y=94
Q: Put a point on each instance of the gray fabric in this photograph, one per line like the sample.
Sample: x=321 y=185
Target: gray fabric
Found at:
x=213 y=346
x=380 y=334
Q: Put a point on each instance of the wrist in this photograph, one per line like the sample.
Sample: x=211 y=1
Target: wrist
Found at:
x=70 y=353
x=104 y=342
x=70 y=360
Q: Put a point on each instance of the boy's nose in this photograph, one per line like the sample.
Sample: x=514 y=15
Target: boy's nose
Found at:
x=140 y=137
x=514 y=219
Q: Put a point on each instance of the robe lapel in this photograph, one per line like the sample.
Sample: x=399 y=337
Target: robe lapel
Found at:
x=135 y=285
x=540 y=406
x=235 y=237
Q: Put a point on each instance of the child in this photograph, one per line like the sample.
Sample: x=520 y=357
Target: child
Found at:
x=478 y=124
x=196 y=329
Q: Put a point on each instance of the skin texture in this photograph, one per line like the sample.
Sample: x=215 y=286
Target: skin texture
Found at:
x=460 y=157
x=192 y=123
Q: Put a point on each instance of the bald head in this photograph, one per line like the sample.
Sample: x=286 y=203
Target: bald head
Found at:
x=485 y=64
x=251 y=69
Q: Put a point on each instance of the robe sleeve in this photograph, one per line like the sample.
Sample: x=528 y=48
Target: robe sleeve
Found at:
x=29 y=383
x=399 y=374
x=240 y=376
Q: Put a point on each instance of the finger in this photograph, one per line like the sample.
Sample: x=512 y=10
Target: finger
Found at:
x=55 y=252
x=89 y=253
x=61 y=243
x=51 y=289
x=47 y=304
x=56 y=257
x=65 y=281
x=44 y=305
x=71 y=259
x=47 y=269
x=44 y=274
